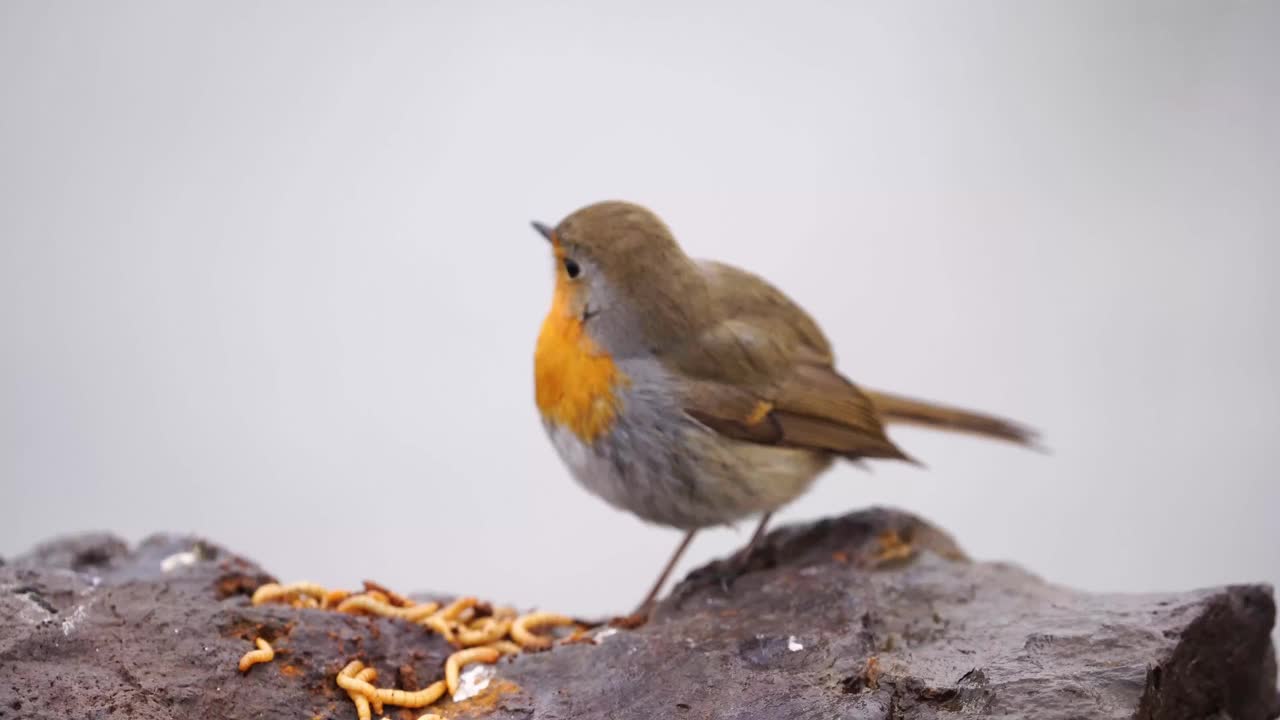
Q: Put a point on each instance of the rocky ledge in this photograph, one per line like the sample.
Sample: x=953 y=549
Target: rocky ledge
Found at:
x=872 y=615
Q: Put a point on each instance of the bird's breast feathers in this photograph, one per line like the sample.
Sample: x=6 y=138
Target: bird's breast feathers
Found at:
x=576 y=382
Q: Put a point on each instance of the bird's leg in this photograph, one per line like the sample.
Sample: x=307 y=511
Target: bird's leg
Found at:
x=738 y=561
x=755 y=536
x=641 y=613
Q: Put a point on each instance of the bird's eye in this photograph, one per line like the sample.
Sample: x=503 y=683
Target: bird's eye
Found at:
x=572 y=268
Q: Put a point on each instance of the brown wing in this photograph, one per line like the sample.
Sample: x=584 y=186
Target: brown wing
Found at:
x=765 y=375
x=815 y=408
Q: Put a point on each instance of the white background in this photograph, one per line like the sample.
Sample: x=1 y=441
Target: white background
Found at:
x=266 y=272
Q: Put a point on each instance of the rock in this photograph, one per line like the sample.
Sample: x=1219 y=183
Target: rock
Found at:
x=872 y=615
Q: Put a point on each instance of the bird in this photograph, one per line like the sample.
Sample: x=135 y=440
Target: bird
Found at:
x=692 y=393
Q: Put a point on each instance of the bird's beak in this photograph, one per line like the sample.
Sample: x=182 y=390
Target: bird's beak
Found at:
x=547 y=232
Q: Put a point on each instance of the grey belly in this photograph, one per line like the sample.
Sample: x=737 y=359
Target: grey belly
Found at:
x=668 y=469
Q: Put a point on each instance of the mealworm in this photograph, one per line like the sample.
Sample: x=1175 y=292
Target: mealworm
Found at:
x=506 y=647
x=362 y=706
x=352 y=684
x=485 y=631
x=393 y=597
x=418 y=612
x=462 y=657
x=362 y=703
x=455 y=608
x=373 y=605
x=356 y=671
x=430 y=716
x=368 y=604
x=271 y=592
x=404 y=698
x=267 y=593
x=579 y=636
x=440 y=625
x=263 y=654
x=309 y=589
x=370 y=676
x=348 y=680
x=505 y=612
x=522 y=629
x=333 y=597
x=441 y=620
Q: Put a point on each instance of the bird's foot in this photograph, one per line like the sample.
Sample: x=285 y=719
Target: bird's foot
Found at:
x=724 y=573
x=893 y=549
x=630 y=622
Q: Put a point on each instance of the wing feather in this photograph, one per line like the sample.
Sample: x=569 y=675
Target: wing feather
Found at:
x=765 y=375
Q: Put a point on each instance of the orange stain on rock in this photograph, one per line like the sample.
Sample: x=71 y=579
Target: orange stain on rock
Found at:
x=487 y=702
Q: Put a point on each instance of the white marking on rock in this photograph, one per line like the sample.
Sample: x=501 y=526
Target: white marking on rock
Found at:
x=76 y=618
x=472 y=681
x=32 y=613
x=177 y=560
x=794 y=645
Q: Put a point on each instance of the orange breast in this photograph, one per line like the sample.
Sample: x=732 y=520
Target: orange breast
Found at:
x=575 y=380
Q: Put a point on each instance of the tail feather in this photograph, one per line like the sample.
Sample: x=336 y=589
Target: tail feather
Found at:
x=897 y=409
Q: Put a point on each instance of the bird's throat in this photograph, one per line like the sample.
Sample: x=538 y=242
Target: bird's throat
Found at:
x=575 y=380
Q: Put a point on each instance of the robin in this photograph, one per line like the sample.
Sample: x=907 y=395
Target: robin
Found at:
x=692 y=393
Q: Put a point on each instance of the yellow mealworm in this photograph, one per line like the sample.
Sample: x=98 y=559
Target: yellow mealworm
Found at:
x=370 y=676
x=393 y=597
x=362 y=703
x=579 y=636
x=430 y=716
x=462 y=657
x=506 y=647
x=309 y=589
x=362 y=706
x=272 y=592
x=267 y=593
x=373 y=605
x=352 y=684
x=263 y=654
x=485 y=631
x=455 y=608
x=404 y=698
x=333 y=597
x=440 y=625
x=522 y=629
x=415 y=613
x=368 y=604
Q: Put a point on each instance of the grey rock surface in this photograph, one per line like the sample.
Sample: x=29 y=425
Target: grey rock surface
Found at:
x=875 y=614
